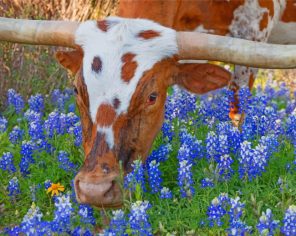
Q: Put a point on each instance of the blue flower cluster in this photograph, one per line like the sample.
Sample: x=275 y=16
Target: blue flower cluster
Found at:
x=3 y=124
x=16 y=135
x=6 y=162
x=65 y=163
x=13 y=188
x=267 y=225
x=136 y=177
x=15 y=100
x=289 y=222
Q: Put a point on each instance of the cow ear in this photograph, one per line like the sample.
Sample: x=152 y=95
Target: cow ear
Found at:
x=71 y=60
x=201 y=78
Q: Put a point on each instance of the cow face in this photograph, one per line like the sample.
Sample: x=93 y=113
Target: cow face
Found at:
x=123 y=68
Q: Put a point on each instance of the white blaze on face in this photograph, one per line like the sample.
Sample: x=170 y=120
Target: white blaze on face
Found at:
x=109 y=46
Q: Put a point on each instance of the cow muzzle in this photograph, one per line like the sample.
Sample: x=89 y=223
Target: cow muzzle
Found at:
x=99 y=192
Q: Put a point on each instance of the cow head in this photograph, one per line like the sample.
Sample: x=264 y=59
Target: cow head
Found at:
x=123 y=68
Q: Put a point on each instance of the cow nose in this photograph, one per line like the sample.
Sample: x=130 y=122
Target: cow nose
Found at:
x=100 y=192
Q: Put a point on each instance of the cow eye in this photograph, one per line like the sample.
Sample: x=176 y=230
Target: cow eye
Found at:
x=152 y=98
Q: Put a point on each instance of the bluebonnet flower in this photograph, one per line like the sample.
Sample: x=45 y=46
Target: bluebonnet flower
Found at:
x=15 y=100
x=47 y=184
x=216 y=212
x=62 y=214
x=6 y=162
x=13 y=188
x=32 y=224
x=79 y=231
x=207 y=183
x=180 y=104
x=244 y=95
x=154 y=176
x=3 y=124
x=117 y=224
x=86 y=213
x=76 y=131
x=252 y=161
x=16 y=135
x=71 y=120
x=212 y=145
x=72 y=107
x=267 y=225
x=185 y=179
x=165 y=193
x=160 y=154
x=184 y=154
x=15 y=230
x=138 y=218
x=194 y=146
x=65 y=163
x=27 y=149
x=167 y=130
x=58 y=99
x=36 y=129
x=36 y=103
x=31 y=116
x=136 y=177
x=289 y=221
x=224 y=167
x=291 y=126
x=53 y=124
x=237 y=226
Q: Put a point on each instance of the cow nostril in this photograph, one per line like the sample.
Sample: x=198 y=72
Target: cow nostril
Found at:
x=105 y=168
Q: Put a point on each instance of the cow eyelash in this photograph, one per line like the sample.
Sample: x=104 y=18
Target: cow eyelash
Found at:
x=152 y=98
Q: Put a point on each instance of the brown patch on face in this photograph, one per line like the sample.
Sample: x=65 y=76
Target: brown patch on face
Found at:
x=82 y=101
x=129 y=67
x=98 y=149
x=289 y=14
x=96 y=65
x=264 y=21
x=148 y=34
x=251 y=81
x=102 y=25
x=116 y=103
x=269 y=5
x=105 y=115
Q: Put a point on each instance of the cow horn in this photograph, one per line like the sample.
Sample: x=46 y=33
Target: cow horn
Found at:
x=55 y=33
x=201 y=46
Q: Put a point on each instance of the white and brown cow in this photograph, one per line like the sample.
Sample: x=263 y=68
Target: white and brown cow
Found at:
x=123 y=68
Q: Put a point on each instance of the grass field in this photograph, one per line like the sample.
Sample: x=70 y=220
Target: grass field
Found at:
x=217 y=180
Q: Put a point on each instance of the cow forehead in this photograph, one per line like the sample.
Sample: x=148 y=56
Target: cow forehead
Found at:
x=113 y=47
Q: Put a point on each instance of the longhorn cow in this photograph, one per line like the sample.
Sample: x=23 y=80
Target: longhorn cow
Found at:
x=122 y=69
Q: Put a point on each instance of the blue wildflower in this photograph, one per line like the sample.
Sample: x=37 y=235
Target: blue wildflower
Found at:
x=6 y=162
x=15 y=100
x=165 y=193
x=160 y=154
x=136 y=177
x=62 y=214
x=86 y=214
x=267 y=225
x=224 y=167
x=13 y=188
x=154 y=176
x=3 y=124
x=207 y=183
x=47 y=184
x=117 y=224
x=36 y=103
x=216 y=212
x=289 y=221
x=27 y=149
x=65 y=163
x=185 y=179
x=16 y=135
x=138 y=218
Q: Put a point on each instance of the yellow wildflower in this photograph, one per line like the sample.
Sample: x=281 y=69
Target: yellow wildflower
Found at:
x=55 y=189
